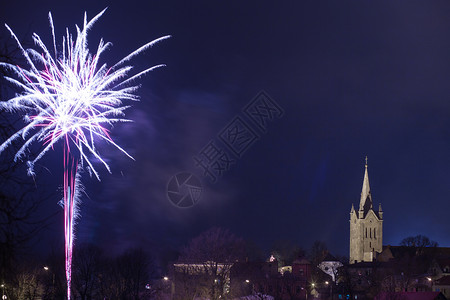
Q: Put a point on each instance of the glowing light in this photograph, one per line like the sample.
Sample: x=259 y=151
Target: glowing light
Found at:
x=71 y=97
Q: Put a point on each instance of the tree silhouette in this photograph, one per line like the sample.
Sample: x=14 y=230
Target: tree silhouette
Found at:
x=208 y=258
x=21 y=196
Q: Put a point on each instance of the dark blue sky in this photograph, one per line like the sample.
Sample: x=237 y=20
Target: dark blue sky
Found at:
x=354 y=78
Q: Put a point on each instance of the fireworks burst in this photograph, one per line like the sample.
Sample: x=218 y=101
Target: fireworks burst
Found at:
x=70 y=96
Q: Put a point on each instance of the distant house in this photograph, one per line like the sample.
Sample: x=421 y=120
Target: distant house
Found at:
x=200 y=280
x=398 y=270
x=410 y=296
x=442 y=285
x=441 y=264
x=248 y=278
x=302 y=268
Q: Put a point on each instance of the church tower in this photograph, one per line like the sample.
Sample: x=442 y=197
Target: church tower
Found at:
x=366 y=227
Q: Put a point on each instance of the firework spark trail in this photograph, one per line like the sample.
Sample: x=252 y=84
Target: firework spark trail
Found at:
x=71 y=203
x=71 y=97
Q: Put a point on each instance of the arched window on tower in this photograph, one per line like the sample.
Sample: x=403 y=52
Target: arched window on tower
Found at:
x=375 y=233
x=370 y=232
x=366 y=232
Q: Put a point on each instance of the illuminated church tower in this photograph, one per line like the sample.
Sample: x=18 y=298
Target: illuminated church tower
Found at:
x=366 y=227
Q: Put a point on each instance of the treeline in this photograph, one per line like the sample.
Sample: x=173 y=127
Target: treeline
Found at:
x=136 y=273
x=94 y=276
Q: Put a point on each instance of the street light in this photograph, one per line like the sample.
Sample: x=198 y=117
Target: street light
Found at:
x=53 y=281
x=3 y=288
x=331 y=288
x=430 y=281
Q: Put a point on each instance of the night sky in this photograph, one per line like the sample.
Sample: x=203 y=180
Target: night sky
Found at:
x=353 y=78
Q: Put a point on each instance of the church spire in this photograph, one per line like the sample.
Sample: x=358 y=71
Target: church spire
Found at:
x=366 y=226
x=366 y=198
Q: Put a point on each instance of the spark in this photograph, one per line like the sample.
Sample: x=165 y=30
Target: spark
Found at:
x=71 y=97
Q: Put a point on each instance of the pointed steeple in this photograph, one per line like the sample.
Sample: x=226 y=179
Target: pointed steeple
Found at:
x=366 y=198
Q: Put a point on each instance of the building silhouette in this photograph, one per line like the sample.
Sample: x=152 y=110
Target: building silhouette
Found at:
x=366 y=227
